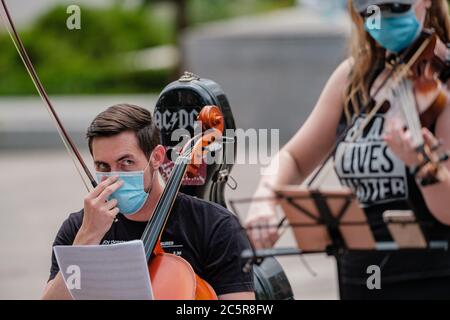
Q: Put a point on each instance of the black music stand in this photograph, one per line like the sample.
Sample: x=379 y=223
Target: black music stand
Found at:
x=326 y=221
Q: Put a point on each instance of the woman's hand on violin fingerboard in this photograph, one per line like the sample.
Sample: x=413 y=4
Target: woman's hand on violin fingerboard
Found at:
x=99 y=212
x=400 y=143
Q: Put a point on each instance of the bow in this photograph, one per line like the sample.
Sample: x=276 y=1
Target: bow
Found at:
x=80 y=165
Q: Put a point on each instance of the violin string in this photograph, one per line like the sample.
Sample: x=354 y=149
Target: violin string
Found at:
x=417 y=132
x=407 y=110
x=67 y=141
x=320 y=173
x=408 y=106
x=397 y=78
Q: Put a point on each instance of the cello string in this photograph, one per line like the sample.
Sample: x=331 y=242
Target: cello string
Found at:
x=67 y=141
x=157 y=222
x=146 y=235
x=168 y=185
x=150 y=238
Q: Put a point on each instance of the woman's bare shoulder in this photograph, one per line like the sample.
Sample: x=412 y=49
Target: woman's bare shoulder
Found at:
x=336 y=85
x=343 y=71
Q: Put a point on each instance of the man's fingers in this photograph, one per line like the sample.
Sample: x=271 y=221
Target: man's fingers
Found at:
x=111 y=204
x=109 y=190
x=114 y=212
x=102 y=186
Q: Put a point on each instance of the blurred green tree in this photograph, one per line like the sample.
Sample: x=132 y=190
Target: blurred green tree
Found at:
x=91 y=60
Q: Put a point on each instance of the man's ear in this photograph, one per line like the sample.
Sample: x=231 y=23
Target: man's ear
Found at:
x=158 y=156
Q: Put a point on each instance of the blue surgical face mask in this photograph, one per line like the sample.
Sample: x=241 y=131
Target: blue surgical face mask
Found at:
x=131 y=197
x=397 y=32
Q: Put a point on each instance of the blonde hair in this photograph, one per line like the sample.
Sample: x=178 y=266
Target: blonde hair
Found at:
x=367 y=55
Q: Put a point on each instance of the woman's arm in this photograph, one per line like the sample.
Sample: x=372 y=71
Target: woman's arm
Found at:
x=300 y=156
x=437 y=196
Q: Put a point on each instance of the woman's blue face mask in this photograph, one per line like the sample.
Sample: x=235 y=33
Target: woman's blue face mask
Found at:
x=131 y=197
x=397 y=32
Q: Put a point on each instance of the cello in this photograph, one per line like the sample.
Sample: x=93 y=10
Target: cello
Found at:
x=178 y=105
x=163 y=266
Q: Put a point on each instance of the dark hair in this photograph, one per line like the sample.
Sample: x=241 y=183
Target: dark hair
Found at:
x=126 y=117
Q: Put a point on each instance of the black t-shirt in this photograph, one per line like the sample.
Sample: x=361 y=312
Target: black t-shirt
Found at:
x=208 y=236
x=382 y=182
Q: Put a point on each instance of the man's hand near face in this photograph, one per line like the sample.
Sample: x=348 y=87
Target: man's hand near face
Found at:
x=99 y=215
x=99 y=212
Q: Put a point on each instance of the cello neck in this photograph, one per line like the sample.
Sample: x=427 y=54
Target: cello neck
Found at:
x=212 y=122
x=156 y=224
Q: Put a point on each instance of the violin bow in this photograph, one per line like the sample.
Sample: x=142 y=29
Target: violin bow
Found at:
x=394 y=73
x=72 y=150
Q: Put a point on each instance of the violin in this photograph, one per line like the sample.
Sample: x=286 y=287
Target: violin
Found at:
x=413 y=90
x=172 y=277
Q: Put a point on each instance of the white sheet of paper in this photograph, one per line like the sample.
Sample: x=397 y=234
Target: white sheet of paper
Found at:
x=105 y=272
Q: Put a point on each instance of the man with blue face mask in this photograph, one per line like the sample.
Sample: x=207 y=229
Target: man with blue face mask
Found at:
x=392 y=24
x=124 y=143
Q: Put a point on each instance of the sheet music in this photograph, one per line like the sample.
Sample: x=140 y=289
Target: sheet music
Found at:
x=110 y=272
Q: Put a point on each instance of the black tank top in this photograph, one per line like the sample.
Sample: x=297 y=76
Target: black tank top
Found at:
x=382 y=182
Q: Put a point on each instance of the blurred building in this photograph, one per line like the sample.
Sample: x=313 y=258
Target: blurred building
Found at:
x=273 y=67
